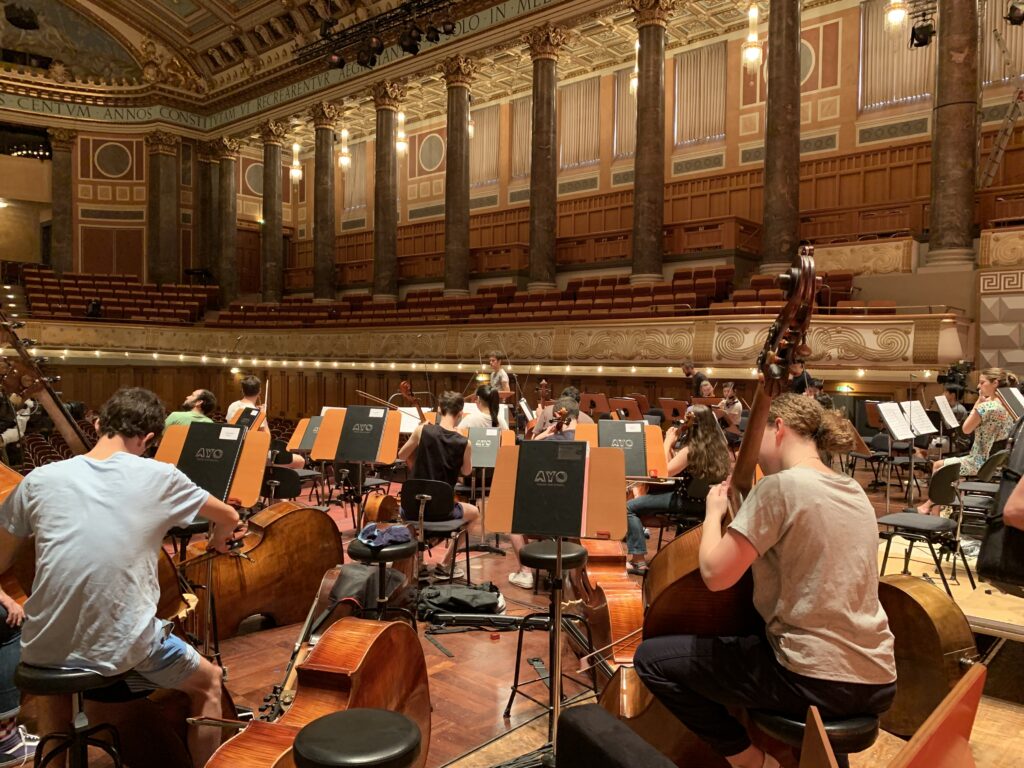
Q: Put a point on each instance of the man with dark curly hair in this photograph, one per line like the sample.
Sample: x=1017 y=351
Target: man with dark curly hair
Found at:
x=98 y=521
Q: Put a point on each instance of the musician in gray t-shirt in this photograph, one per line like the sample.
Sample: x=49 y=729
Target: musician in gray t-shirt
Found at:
x=809 y=536
x=97 y=522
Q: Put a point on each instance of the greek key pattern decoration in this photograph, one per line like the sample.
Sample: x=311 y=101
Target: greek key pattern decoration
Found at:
x=1001 y=282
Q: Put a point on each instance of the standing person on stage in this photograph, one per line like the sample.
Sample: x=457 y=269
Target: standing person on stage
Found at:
x=697 y=378
x=488 y=401
x=251 y=389
x=523 y=577
x=988 y=421
x=800 y=377
x=499 y=376
x=99 y=520
x=809 y=535
x=705 y=455
x=197 y=407
x=439 y=452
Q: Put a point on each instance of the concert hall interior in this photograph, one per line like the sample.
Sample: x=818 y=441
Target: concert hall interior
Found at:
x=299 y=296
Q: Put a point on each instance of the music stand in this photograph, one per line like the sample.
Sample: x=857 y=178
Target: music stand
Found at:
x=892 y=415
x=339 y=440
x=921 y=426
x=627 y=404
x=601 y=518
x=591 y=402
x=1012 y=400
x=947 y=420
x=485 y=442
x=650 y=454
x=674 y=409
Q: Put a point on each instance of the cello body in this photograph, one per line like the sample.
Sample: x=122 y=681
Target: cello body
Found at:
x=287 y=550
x=355 y=663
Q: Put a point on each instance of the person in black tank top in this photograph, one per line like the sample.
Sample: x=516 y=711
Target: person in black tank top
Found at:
x=438 y=452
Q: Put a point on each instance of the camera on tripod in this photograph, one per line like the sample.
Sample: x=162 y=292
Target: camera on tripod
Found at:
x=956 y=375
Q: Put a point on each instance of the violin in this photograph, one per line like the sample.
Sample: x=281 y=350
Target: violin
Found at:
x=683 y=426
x=561 y=418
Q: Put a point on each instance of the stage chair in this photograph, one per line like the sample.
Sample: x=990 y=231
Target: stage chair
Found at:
x=432 y=502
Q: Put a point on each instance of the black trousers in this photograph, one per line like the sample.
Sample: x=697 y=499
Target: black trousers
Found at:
x=697 y=678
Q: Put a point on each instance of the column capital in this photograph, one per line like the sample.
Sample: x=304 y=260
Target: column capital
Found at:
x=387 y=94
x=458 y=71
x=652 y=12
x=273 y=132
x=162 y=143
x=545 y=41
x=325 y=114
x=208 y=151
x=226 y=149
x=62 y=138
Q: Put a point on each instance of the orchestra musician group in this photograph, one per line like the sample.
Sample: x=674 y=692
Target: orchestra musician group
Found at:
x=806 y=533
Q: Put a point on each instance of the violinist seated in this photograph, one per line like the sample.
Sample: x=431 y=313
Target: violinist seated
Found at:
x=810 y=537
x=566 y=411
x=547 y=414
x=488 y=402
x=732 y=413
x=705 y=455
x=98 y=522
x=252 y=389
x=439 y=452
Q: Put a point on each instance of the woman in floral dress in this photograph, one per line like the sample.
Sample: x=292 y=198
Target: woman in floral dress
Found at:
x=989 y=421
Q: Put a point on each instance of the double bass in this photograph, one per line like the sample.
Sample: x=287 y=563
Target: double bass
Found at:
x=675 y=597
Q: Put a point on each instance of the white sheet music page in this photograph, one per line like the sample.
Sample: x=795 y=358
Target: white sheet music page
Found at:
x=918 y=418
x=895 y=421
x=947 y=413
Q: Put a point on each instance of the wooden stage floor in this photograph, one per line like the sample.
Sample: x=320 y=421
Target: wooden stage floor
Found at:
x=470 y=688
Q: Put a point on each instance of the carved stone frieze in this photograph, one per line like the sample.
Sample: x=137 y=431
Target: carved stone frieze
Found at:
x=648 y=12
x=734 y=343
x=208 y=151
x=162 y=143
x=387 y=94
x=324 y=114
x=62 y=139
x=1002 y=248
x=273 y=132
x=545 y=42
x=457 y=71
x=875 y=257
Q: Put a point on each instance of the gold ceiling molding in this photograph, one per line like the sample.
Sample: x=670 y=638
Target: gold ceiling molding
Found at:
x=652 y=12
x=838 y=342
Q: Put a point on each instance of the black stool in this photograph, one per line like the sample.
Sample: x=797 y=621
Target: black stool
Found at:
x=48 y=681
x=363 y=738
x=541 y=555
x=852 y=734
x=381 y=556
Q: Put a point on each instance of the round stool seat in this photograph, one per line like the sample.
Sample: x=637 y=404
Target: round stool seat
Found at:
x=364 y=553
x=541 y=555
x=367 y=738
x=852 y=734
x=51 y=681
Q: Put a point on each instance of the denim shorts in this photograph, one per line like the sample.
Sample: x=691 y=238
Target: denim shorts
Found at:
x=171 y=663
x=456 y=514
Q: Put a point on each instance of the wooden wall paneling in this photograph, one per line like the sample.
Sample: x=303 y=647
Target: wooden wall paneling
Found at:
x=129 y=245
x=97 y=250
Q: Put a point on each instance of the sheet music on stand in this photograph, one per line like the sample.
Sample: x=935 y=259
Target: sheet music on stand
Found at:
x=1013 y=400
x=410 y=419
x=917 y=416
x=895 y=421
x=948 y=417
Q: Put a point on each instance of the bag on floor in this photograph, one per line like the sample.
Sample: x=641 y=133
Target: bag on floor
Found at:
x=1002 y=552
x=458 y=598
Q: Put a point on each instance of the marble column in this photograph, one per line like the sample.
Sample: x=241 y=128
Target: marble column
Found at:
x=163 y=252
x=206 y=222
x=954 y=136
x=62 y=142
x=272 y=134
x=544 y=44
x=387 y=97
x=325 y=117
x=225 y=266
x=780 y=236
x=458 y=72
x=649 y=170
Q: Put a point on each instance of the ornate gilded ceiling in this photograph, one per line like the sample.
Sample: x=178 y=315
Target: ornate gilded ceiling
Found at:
x=226 y=64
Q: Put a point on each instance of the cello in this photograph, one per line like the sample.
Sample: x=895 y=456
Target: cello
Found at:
x=355 y=663
x=677 y=600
